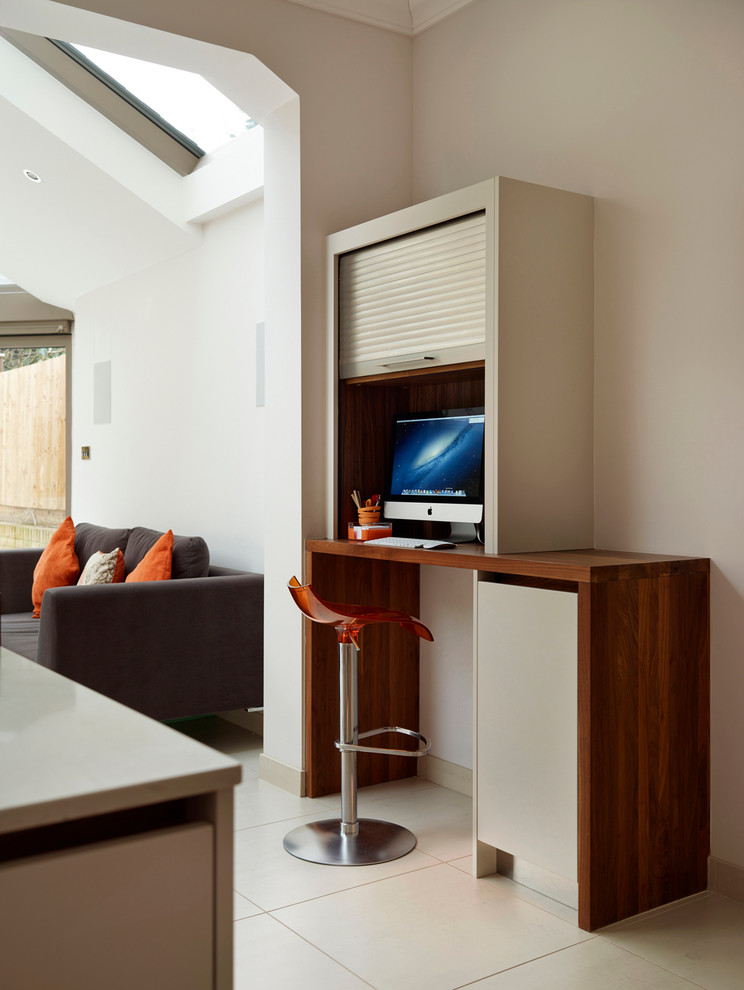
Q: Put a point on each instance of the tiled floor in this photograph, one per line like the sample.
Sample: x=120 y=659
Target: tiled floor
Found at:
x=422 y=922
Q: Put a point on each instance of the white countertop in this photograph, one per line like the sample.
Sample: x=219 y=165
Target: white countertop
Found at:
x=67 y=752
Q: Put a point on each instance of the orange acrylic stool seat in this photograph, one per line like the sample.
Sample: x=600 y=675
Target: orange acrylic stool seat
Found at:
x=350 y=841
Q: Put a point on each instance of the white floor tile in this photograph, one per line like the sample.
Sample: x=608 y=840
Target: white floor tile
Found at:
x=259 y=803
x=542 y=901
x=267 y=875
x=519 y=890
x=440 y=819
x=701 y=939
x=435 y=929
x=403 y=790
x=465 y=864
x=243 y=908
x=417 y=924
x=269 y=957
x=591 y=965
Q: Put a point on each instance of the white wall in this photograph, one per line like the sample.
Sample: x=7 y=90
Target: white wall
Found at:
x=353 y=82
x=283 y=635
x=185 y=446
x=639 y=103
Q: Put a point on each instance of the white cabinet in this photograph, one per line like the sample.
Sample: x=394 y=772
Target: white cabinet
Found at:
x=526 y=741
x=136 y=911
x=116 y=843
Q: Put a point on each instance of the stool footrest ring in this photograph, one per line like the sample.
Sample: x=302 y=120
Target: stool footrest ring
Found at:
x=352 y=748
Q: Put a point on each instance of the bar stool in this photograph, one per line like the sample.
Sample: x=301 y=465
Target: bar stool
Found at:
x=350 y=841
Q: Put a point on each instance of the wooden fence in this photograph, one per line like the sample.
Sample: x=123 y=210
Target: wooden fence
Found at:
x=32 y=436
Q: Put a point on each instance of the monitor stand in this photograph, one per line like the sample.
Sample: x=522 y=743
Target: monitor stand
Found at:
x=463 y=532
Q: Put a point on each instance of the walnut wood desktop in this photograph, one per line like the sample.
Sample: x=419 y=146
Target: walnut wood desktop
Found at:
x=643 y=701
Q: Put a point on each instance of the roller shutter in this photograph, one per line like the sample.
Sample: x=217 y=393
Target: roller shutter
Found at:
x=414 y=301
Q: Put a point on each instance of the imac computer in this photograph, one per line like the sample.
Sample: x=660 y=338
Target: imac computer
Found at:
x=436 y=469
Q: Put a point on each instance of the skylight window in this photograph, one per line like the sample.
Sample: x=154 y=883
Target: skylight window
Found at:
x=184 y=100
x=176 y=115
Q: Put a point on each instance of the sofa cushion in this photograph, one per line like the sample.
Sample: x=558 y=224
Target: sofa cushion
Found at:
x=103 y=568
x=58 y=564
x=89 y=538
x=190 y=553
x=156 y=565
x=20 y=633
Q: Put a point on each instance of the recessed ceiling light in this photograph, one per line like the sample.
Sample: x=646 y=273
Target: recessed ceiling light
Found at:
x=31 y=176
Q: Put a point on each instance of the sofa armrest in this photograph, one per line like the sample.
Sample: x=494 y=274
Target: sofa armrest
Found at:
x=170 y=649
x=17 y=578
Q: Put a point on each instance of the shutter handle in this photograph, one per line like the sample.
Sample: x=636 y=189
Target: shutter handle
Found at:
x=411 y=361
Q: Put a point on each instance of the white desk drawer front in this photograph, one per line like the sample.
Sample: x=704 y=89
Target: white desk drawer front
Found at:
x=526 y=765
x=132 y=912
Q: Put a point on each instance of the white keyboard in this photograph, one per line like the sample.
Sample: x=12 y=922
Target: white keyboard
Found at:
x=409 y=543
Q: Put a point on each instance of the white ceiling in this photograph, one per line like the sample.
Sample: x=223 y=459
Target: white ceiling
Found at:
x=408 y=17
x=75 y=230
x=105 y=207
x=104 y=210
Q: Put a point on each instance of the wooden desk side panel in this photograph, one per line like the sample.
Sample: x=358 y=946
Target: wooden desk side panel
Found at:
x=388 y=670
x=644 y=793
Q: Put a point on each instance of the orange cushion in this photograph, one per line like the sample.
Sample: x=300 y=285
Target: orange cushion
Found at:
x=156 y=564
x=119 y=571
x=58 y=565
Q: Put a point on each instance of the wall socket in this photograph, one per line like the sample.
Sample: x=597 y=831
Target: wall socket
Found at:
x=85 y=453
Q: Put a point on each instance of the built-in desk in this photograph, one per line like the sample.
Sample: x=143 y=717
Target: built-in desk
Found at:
x=116 y=843
x=641 y=709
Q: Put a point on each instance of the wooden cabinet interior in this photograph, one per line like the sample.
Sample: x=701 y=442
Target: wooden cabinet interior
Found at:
x=365 y=409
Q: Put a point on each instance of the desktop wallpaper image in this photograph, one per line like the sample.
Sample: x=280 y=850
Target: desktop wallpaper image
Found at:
x=438 y=457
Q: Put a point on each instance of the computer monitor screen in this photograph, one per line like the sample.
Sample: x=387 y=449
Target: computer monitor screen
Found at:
x=436 y=466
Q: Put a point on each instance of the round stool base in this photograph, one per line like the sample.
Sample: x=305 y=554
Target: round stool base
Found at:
x=323 y=842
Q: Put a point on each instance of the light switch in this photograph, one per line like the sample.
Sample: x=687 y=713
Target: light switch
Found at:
x=85 y=453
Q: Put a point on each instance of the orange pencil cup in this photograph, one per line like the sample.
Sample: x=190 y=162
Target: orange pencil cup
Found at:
x=369 y=515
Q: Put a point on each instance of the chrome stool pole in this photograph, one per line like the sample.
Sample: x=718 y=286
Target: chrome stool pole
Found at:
x=348 y=678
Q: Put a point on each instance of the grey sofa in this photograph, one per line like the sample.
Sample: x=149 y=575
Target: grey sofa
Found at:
x=189 y=646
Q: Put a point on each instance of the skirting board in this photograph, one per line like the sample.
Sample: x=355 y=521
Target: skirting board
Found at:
x=438 y=771
x=281 y=775
x=726 y=879
x=449 y=775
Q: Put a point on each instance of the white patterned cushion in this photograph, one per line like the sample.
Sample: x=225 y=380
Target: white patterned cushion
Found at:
x=100 y=568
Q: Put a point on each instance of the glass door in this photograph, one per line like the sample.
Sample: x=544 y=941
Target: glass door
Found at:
x=34 y=448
